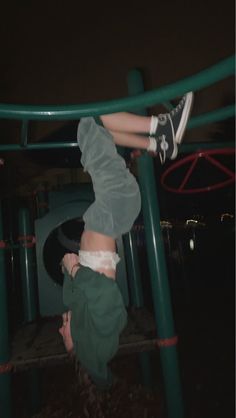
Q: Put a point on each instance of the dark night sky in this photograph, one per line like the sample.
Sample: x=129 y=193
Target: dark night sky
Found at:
x=70 y=52
x=57 y=54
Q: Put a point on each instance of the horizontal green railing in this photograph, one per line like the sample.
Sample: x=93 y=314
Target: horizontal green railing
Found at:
x=163 y=94
x=185 y=148
x=214 y=116
x=205 y=78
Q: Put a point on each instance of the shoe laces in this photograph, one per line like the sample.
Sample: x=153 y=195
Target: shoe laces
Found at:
x=178 y=108
x=163 y=117
x=172 y=128
x=164 y=147
x=163 y=143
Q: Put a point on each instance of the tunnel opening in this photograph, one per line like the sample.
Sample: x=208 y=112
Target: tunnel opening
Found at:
x=63 y=239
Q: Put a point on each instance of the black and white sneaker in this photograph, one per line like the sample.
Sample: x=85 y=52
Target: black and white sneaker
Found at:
x=171 y=128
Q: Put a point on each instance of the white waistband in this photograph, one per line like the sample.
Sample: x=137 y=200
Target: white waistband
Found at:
x=99 y=259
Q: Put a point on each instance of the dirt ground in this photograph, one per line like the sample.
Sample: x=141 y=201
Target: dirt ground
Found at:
x=204 y=321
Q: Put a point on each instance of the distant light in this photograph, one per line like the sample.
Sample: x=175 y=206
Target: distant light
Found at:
x=191 y=244
x=226 y=216
x=166 y=224
x=191 y=222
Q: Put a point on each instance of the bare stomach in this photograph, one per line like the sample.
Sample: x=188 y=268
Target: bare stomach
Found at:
x=93 y=241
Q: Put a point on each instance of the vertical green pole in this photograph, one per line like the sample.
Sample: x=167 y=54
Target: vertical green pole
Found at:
x=5 y=376
x=29 y=294
x=41 y=200
x=131 y=255
x=27 y=265
x=137 y=298
x=144 y=358
x=158 y=273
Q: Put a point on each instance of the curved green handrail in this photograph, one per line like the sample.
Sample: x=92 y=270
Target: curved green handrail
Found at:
x=203 y=79
x=214 y=116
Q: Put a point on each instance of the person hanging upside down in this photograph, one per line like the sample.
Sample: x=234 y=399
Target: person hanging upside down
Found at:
x=96 y=312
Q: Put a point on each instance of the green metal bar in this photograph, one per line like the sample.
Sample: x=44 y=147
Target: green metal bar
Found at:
x=27 y=265
x=136 y=297
x=215 y=116
x=5 y=378
x=30 y=301
x=24 y=133
x=131 y=244
x=197 y=121
x=203 y=79
x=200 y=146
x=158 y=273
x=41 y=201
x=66 y=145
x=135 y=284
x=39 y=146
x=144 y=358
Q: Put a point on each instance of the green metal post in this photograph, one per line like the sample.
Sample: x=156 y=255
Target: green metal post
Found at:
x=158 y=273
x=29 y=294
x=136 y=296
x=41 y=200
x=136 y=291
x=5 y=376
x=27 y=264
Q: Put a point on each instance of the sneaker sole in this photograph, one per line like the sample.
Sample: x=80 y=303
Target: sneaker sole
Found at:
x=175 y=152
x=185 y=116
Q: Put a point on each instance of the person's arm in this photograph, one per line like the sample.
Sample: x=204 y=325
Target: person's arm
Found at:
x=70 y=262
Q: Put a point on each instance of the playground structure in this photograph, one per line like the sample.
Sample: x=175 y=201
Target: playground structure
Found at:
x=138 y=100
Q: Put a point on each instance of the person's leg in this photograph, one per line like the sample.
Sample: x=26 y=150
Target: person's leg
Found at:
x=113 y=211
x=117 y=197
x=130 y=140
x=164 y=148
x=133 y=123
x=126 y=122
x=165 y=131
